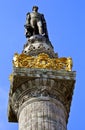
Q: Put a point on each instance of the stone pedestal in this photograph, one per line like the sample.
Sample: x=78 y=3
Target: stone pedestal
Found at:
x=40 y=99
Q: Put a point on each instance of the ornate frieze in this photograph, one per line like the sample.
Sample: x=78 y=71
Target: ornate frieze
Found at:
x=42 y=61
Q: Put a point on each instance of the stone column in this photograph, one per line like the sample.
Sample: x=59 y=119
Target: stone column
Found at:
x=42 y=113
x=40 y=99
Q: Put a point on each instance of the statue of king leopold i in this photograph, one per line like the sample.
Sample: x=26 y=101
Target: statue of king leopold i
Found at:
x=35 y=24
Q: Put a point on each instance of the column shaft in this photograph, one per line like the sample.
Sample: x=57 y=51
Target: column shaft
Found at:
x=42 y=114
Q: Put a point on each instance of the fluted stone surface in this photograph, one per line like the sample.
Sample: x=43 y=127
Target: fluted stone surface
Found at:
x=42 y=113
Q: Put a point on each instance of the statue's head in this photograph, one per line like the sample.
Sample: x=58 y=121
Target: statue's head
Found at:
x=35 y=8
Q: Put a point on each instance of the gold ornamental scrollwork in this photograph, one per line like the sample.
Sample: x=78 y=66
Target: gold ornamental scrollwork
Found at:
x=42 y=61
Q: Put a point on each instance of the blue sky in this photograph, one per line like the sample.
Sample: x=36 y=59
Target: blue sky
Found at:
x=66 y=27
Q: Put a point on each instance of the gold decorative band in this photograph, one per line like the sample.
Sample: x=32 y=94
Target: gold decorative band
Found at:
x=42 y=61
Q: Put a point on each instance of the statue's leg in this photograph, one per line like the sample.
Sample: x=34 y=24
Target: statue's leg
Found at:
x=32 y=22
x=39 y=24
x=34 y=26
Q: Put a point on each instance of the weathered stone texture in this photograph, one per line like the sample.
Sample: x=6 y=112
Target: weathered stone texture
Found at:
x=42 y=114
x=40 y=99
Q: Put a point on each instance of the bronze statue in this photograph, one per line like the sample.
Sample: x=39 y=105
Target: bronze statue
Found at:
x=35 y=24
